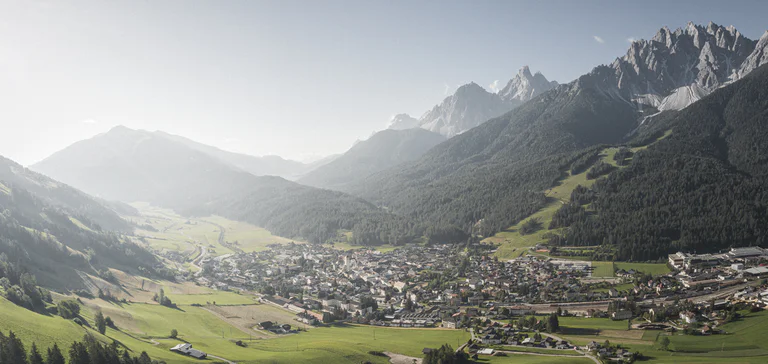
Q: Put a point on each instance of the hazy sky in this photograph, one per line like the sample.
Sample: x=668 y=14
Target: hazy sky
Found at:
x=293 y=78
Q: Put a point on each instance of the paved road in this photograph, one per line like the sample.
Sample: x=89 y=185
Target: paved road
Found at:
x=196 y=262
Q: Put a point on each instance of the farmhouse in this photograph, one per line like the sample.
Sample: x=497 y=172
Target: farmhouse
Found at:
x=187 y=349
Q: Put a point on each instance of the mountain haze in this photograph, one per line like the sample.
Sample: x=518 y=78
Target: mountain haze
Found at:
x=136 y=165
x=384 y=149
x=471 y=105
x=270 y=165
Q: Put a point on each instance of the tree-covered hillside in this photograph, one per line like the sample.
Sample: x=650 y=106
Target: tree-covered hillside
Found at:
x=384 y=149
x=703 y=188
x=498 y=171
x=53 y=231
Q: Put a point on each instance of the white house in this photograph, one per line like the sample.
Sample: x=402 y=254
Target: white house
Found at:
x=187 y=349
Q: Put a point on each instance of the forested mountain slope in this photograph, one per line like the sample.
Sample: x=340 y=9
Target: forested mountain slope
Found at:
x=95 y=212
x=498 y=171
x=495 y=175
x=702 y=188
x=384 y=149
x=53 y=231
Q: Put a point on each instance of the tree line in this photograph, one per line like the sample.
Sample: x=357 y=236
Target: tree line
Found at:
x=87 y=351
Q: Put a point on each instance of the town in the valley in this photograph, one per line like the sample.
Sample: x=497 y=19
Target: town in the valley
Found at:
x=503 y=303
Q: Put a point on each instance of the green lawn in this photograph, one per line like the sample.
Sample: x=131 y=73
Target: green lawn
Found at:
x=602 y=269
x=746 y=338
x=592 y=323
x=382 y=248
x=249 y=237
x=220 y=297
x=619 y=287
x=532 y=359
x=651 y=268
x=351 y=343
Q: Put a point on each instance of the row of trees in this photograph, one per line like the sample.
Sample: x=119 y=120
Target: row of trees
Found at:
x=87 y=351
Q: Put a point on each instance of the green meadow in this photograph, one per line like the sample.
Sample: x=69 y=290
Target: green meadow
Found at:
x=650 y=268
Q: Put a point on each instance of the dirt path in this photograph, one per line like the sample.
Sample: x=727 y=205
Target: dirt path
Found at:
x=222 y=359
x=395 y=358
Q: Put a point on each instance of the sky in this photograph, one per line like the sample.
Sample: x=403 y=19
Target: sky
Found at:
x=299 y=79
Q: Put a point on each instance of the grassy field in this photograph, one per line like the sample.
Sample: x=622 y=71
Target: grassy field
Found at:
x=220 y=297
x=351 y=343
x=602 y=269
x=512 y=244
x=189 y=235
x=742 y=343
x=247 y=317
x=382 y=248
x=746 y=338
x=79 y=224
x=591 y=323
x=249 y=237
x=619 y=287
x=532 y=359
x=47 y=330
x=651 y=268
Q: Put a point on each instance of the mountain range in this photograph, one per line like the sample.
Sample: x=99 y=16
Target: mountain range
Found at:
x=471 y=105
x=498 y=172
x=505 y=151
x=136 y=165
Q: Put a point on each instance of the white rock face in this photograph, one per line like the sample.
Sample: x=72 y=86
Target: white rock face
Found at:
x=757 y=58
x=525 y=86
x=472 y=105
x=675 y=69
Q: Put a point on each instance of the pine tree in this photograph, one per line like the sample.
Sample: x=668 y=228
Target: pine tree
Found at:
x=13 y=350
x=78 y=354
x=34 y=355
x=101 y=323
x=54 y=355
x=144 y=358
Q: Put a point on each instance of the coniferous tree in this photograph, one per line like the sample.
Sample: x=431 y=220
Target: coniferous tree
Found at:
x=78 y=354
x=54 y=355
x=34 y=355
x=101 y=323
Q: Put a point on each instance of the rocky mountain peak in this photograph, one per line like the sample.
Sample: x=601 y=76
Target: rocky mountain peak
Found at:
x=698 y=57
x=525 y=86
x=472 y=104
x=403 y=122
